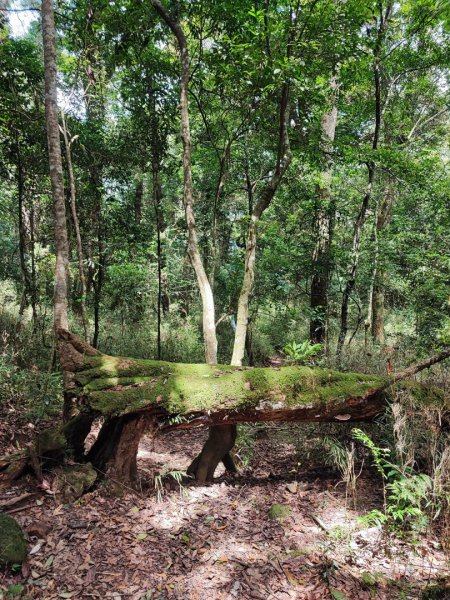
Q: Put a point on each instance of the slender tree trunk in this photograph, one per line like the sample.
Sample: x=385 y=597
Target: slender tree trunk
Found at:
x=33 y=282
x=246 y=290
x=209 y=324
x=377 y=311
x=369 y=318
x=223 y=174
x=221 y=439
x=98 y=283
x=371 y=168
x=157 y=199
x=138 y=200
x=95 y=110
x=56 y=170
x=283 y=161
x=22 y=242
x=354 y=261
x=324 y=225
x=76 y=223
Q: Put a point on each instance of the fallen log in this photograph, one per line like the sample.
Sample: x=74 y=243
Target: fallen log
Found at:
x=135 y=395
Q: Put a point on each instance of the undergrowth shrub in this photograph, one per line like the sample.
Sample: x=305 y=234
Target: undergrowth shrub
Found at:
x=36 y=394
x=406 y=494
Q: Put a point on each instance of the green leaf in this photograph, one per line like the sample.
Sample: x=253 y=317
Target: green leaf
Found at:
x=337 y=595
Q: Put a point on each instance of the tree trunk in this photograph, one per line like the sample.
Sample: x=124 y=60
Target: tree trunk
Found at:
x=95 y=110
x=369 y=318
x=76 y=224
x=221 y=440
x=138 y=200
x=22 y=242
x=114 y=452
x=324 y=225
x=56 y=170
x=371 y=167
x=209 y=323
x=244 y=296
x=157 y=194
x=204 y=284
x=284 y=157
x=377 y=312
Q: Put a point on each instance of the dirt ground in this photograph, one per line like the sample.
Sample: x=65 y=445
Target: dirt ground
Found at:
x=219 y=541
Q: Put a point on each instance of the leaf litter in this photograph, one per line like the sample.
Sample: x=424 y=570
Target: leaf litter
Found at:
x=218 y=542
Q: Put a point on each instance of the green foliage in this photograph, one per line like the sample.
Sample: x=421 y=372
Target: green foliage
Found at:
x=37 y=393
x=300 y=353
x=407 y=494
x=15 y=590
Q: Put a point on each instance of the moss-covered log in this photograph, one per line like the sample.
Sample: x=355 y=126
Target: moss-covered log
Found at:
x=132 y=395
x=129 y=393
x=185 y=395
x=216 y=394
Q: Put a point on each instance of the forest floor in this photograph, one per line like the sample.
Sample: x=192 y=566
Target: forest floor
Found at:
x=219 y=541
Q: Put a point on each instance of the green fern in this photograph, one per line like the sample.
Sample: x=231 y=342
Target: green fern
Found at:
x=300 y=353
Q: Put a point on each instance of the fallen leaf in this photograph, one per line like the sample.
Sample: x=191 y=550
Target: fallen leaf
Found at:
x=35 y=549
x=49 y=561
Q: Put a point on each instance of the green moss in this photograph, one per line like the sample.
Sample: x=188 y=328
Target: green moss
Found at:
x=424 y=395
x=13 y=547
x=104 y=367
x=121 y=385
x=50 y=441
x=110 y=382
x=279 y=512
x=72 y=481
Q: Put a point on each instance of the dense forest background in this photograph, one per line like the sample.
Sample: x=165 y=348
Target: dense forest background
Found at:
x=360 y=216
x=258 y=183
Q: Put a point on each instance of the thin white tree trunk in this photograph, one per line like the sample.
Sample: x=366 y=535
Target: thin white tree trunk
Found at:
x=208 y=309
x=244 y=296
x=368 y=321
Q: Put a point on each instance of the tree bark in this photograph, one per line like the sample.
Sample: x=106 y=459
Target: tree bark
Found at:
x=377 y=312
x=209 y=323
x=56 y=170
x=76 y=223
x=114 y=452
x=22 y=243
x=324 y=224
